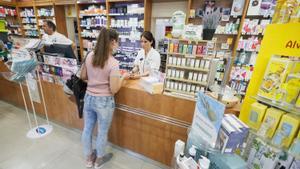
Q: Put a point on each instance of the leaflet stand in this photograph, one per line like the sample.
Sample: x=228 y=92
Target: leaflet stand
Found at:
x=38 y=131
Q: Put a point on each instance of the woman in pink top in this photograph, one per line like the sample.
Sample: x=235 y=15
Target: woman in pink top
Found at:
x=101 y=70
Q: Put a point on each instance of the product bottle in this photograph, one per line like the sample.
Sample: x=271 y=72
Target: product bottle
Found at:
x=204 y=162
x=179 y=159
x=192 y=152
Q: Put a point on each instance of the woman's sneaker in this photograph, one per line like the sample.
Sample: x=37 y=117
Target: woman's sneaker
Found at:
x=91 y=159
x=101 y=161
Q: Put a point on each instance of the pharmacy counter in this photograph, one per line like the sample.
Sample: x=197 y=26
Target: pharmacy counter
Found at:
x=146 y=124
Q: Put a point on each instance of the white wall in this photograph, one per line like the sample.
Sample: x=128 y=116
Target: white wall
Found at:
x=165 y=10
x=70 y=12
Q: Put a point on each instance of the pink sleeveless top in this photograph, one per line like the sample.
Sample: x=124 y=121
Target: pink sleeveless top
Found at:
x=98 y=79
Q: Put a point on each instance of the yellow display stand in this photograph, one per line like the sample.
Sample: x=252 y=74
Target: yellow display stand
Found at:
x=279 y=39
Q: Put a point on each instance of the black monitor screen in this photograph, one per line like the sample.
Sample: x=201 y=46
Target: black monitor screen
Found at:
x=4 y=37
x=66 y=50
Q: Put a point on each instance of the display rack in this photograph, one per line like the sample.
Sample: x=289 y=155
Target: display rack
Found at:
x=255 y=21
x=44 y=13
x=127 y=17
x=29 y=22
x=190 y=67
x=91 y=16
x=10 y=15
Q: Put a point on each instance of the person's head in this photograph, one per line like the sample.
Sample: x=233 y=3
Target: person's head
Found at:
x=49 y=27
x=107 y=42
x=147 y=40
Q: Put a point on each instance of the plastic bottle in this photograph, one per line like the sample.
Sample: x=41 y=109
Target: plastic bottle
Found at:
x=204 y=162
x=192 y=151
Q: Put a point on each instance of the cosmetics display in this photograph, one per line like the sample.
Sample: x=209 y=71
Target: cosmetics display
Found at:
x=7 y=11
x=128 y=20
x=188 y=66
x=45 y=12
x=92 y=18
x=10 y=16
x=57 y=69
x=29 y=22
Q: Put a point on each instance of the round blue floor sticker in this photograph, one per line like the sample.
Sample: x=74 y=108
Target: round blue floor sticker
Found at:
x=41 y=130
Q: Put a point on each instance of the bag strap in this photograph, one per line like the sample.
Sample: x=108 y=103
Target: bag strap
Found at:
x=83 y=61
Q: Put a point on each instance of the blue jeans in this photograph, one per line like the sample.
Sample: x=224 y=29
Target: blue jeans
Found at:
x=98 y=109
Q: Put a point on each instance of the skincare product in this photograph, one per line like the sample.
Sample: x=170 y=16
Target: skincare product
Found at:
x=197 y=63
x=256 y=115
x=192 y=63
x=183 y=63
x=195 y=76
x=286 y=130
x=178 y=61
x=188 y=87
x=182 y=74
x=207 y=63
x=202 y=63
x=204 y=78
x=190 y=75
x=177 y=73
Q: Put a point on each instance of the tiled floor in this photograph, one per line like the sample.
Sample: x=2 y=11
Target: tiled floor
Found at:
x=59 y=150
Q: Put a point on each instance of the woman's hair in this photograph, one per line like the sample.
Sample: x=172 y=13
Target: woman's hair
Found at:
x=101 y=51
x=148 y=35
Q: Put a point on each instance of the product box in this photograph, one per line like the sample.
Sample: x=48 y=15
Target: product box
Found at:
x=207 y=120
x=256 y=115
x=254 y=7
x=151 y=85
x=291 y=88
x=270 y=122
x=227 y=161
x=262 y=155
x=229 y=136
x=276 y=73
x=240 y=125
x=286 y=130
x=237 y=7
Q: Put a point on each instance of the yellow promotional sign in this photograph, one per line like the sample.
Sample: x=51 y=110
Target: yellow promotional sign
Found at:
x=279 y=39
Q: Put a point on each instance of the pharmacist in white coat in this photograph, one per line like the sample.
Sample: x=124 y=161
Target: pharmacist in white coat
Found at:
x=148 y=59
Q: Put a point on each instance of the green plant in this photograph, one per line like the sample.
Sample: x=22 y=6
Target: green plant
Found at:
x=211 y=19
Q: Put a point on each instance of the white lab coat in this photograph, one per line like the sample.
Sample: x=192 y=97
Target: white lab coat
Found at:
x=149 y=63
x=56 y=38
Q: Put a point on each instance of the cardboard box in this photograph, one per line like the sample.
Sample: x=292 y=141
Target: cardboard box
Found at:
x=256 y=115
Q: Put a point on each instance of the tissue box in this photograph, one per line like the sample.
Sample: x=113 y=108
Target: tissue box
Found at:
x=298 y=102
x=151 y=85
x=227 y=161
x=291 y=88
x=256 y=115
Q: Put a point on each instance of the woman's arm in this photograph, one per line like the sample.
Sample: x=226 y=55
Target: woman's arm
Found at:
x=83 y=72
x=116 y=80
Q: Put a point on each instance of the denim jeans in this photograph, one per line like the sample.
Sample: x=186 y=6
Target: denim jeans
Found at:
x=98 y=109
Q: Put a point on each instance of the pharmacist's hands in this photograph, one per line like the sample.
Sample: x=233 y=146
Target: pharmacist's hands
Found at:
x=135 y=76
x=126 y=76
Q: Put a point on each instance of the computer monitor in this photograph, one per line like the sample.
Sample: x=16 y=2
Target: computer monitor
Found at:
x=66 y=50
x=4 y=37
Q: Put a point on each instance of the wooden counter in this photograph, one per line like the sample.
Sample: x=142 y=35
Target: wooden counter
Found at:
x=144 y=123
x=149 y=137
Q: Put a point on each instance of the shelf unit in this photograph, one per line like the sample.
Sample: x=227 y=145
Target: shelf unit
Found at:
x=128 y=18
x=189 y=68
x=44 y=12
x=29 y=21
x=246 y=52
x=10 y=15
x=91 y=16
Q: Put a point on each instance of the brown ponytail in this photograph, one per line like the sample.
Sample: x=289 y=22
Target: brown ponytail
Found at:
x=101 y=51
